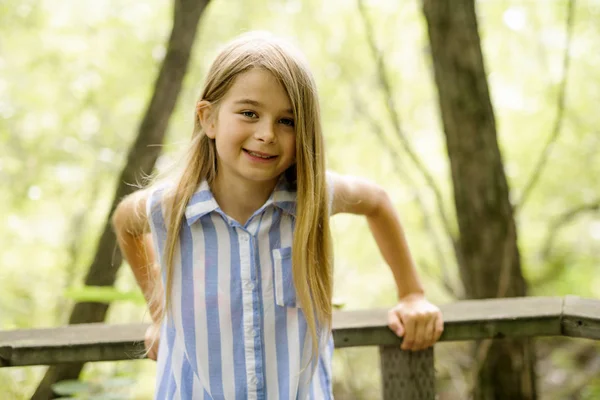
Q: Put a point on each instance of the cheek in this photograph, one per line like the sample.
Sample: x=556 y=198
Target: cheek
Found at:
x=231 y=133
x=292 y=148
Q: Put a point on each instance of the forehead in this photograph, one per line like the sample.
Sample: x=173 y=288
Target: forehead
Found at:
x=260 y=86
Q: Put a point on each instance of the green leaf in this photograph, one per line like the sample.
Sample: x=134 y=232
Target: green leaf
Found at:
x=107 y=396
x=115 y=383
x=69 y=387
x=103 y=294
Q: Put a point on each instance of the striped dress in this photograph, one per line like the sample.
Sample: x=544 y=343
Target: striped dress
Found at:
x=234 y=329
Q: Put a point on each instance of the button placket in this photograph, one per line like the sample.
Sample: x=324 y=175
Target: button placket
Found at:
x=247 y=284
x=249 y=289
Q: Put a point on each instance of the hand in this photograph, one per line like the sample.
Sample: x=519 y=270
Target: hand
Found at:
x=418 y=321
x=151 y=340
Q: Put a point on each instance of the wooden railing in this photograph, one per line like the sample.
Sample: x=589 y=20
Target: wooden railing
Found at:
x=405 y=375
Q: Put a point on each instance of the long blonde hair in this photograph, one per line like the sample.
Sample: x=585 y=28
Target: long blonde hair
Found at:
x=311 y=248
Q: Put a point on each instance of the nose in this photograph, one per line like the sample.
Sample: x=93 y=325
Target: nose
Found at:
x=265 y=133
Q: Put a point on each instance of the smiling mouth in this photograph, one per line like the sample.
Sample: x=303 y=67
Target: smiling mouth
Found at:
x=264 y=156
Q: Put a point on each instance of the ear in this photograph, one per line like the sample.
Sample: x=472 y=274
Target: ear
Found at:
x=204 y=111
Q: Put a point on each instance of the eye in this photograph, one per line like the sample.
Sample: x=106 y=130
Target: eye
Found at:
x=287 y=121
x=249 y=114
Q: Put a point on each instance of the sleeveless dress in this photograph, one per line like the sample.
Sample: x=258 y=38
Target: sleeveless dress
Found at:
x=234 y=329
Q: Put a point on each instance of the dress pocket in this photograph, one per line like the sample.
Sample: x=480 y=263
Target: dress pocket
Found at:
x=285 y=292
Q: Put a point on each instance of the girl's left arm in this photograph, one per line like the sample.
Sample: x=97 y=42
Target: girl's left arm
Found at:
x=414 y=318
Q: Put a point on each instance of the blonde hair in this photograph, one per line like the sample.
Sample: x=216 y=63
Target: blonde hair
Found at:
x=311 y=248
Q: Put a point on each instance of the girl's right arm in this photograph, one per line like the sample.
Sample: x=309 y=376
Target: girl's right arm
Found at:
x=131 y=227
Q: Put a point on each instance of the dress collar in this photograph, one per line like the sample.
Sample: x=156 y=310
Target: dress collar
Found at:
x=203 y=201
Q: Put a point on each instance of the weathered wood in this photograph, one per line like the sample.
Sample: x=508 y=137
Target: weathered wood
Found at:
x=464 y=320
x=580 y=318
x=75 y=343
x=500 y=318
x=407 y=375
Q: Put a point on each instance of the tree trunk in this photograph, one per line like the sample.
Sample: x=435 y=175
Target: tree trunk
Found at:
x=490 y=258
x=141 y=159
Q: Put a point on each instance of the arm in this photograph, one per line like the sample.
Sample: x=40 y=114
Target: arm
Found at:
x=419 y=321
x=358 y=196
x=130 y=223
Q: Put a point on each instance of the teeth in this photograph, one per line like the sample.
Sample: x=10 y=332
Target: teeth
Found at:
x=258 y=155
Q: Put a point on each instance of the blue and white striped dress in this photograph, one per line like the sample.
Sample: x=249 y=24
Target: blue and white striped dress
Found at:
x=234 y=330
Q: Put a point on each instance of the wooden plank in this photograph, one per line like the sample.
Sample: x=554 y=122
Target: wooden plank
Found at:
x=465 y=320
x=517 y=308
x=352 y=328
x=407 y=375
x=75 y=334
x=74 y=343
x=581 y=317
x=502 y=318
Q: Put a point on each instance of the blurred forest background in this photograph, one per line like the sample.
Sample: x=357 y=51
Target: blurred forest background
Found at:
x=75 y=80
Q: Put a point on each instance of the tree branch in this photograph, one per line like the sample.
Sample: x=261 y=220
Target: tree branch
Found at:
x=397 y=162
x=385 y=85
x=553 y=231
x=564 y=219
x=543 y=158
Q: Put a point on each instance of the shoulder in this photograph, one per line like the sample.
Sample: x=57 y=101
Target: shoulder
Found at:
x=353 y=194
x=154 y=198
x=154 y=203
x=130 y=214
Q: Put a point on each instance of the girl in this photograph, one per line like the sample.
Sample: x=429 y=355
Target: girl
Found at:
x=241 y=235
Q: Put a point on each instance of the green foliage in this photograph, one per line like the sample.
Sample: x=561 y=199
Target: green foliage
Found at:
x=71 y=387
x=103 y=294
x=591 y=391
x=109 y=389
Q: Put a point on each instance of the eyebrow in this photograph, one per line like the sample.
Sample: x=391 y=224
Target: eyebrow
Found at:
x=258 y=104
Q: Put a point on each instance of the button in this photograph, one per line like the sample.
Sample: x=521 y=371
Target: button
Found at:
x=251 y=332
x=249 y=285
x=254 y=380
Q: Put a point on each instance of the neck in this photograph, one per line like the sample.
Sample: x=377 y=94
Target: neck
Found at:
x=240 y=199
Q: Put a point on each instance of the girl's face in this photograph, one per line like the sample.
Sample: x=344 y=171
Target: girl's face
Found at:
x=254 y=130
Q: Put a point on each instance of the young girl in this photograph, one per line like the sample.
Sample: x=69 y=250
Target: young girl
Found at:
x=241 y=238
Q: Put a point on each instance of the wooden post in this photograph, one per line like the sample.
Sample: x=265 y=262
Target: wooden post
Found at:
x=407 y=375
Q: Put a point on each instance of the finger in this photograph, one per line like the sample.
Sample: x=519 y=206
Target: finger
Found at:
x=150 y=344
x=394 y=323
x=429 y=336
x=439 y=326
x=152 y=351
x=149 y=351
x=420 y=333
x=155 y=350
x=409 y=333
